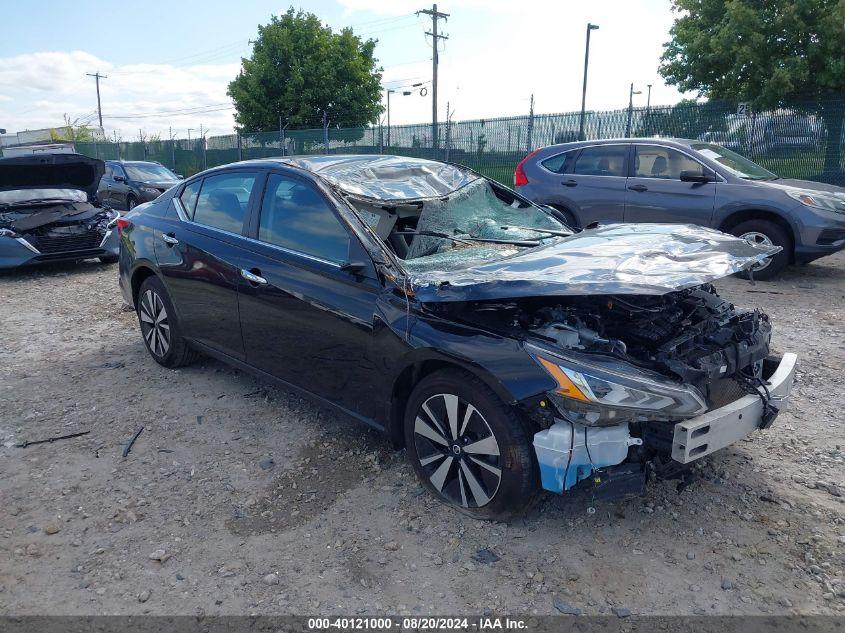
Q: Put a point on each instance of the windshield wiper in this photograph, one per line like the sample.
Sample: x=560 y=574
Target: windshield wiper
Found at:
x=469 y=239
x=547 y=231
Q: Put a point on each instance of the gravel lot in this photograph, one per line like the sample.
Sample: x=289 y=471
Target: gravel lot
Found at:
x=241 y=498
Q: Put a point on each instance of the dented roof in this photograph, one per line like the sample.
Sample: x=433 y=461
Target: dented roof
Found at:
x=386 y=178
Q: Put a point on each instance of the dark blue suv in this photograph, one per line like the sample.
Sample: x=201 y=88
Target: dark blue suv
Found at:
x=686 y=182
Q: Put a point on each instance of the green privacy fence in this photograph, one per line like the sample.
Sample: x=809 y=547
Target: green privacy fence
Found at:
x=803 y=142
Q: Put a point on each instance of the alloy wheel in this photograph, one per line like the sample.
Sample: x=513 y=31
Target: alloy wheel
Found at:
x=457 y=450
x=761 y=239
x=155 y=325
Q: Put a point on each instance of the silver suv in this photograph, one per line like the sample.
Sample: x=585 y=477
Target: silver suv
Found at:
x=682 y=181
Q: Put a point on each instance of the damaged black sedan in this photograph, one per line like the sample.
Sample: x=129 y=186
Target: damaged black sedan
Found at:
x=49 y=211
x=505 y=352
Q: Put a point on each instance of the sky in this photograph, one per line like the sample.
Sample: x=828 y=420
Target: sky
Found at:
x=168 y=63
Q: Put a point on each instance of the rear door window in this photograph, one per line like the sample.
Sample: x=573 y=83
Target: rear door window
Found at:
x=189 y=197
x=602 y=160
x=223 y=201
x=560 y=164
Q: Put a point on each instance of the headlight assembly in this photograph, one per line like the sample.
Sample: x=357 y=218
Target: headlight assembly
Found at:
x=596 y=394
x=827 y=201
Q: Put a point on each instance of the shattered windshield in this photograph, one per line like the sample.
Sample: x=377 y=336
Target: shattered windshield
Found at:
x=474 y=224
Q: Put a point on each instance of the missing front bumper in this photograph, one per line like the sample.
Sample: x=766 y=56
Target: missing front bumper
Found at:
x=714 y=430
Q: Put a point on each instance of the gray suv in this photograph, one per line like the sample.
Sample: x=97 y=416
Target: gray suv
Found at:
x=686 y=182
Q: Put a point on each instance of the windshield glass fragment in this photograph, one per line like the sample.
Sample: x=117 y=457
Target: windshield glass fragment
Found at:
x=483 y=223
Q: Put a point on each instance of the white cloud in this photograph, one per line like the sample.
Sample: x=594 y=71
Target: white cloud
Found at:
x=38 y=89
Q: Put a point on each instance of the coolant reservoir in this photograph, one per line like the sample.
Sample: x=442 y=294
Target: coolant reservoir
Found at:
x=590 y=448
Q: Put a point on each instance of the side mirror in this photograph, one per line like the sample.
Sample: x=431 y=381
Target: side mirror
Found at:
x=118 y=178
x=689 y=175
x=180 y=176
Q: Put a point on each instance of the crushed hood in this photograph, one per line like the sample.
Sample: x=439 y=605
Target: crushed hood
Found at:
x=616 y=259
x=51 y=171
x=387 y=178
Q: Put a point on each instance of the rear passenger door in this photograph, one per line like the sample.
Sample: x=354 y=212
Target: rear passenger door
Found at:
x=305 y=318
x=198 y=255
x=656 y=193
x=596 y=183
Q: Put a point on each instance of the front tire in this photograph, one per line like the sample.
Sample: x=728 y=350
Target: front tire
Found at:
x=468 y=448
x=131 y=202
x=159 y=326
x=765 y=232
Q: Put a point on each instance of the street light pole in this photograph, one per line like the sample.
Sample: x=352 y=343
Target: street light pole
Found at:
x=590 y=27
x=631 y=94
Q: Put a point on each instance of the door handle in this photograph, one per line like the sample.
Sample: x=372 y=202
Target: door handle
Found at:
x=170 y=239
x=638 y=188
x=252 y=278
x=570 y=183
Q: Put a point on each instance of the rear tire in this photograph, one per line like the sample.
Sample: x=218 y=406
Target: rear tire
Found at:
x=766 y=232
x=159 y=326
x=469 y=449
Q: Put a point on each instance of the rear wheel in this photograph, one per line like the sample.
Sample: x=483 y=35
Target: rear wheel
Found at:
x=765 y=233
x=159 y=326
x=470 y=449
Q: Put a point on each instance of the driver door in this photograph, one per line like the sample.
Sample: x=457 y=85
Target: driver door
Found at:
x=655 y=192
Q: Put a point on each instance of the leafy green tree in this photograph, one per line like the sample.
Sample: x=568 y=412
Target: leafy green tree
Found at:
x=72 y=131
x=771 y=53
x=299 y=69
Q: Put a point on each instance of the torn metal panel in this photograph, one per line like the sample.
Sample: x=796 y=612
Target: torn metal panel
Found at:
x=387 y=178
x=620 y=259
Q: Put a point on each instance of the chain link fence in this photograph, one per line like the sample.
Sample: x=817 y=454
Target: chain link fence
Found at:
x=804 y=142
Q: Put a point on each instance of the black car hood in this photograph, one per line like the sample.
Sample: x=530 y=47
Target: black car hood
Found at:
x=51 y=171
x=616 y=259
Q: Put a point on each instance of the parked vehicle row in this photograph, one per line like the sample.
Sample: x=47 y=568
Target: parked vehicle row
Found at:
x=506 y=353
x=687 y=181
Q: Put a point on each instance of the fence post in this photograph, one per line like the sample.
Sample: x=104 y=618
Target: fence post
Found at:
x=204 y=155
x=240 y=148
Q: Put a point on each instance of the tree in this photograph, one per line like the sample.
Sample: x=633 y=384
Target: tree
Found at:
x=299 y=69
x=772 y=53
x=72 y=131
x=686 y=119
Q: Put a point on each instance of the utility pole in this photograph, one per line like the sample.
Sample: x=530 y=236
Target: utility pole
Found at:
x=172 y=148
x=531 y=122
x=631 y=94
x=435 y=15
x=97 y=76
x=389 y=92
x=581 y=137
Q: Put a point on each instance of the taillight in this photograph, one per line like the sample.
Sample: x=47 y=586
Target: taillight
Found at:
x=519 y=177
x=121 y=224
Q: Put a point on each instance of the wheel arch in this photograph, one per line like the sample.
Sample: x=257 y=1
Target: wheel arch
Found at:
x=139 y=275
x=411 y=375
x=743 y=215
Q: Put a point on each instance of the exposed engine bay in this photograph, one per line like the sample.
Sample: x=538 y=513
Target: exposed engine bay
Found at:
x=691 y=335
x=56 y=226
